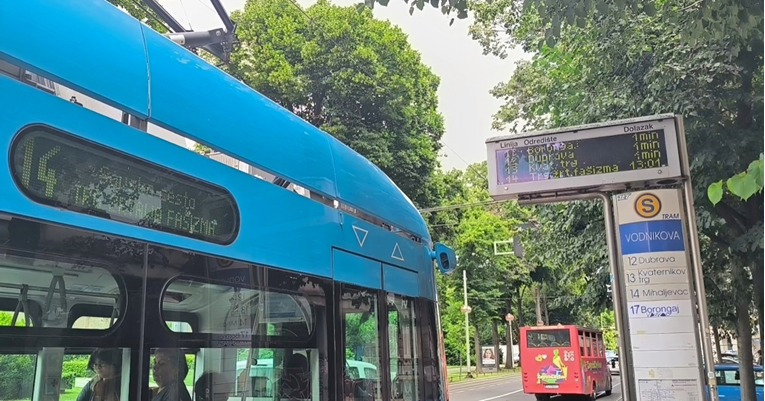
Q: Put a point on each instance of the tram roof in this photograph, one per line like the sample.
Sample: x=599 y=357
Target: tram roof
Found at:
x=97 y=49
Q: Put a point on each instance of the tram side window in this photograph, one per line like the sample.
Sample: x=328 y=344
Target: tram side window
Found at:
x=51 y=271
x=62 y=278
x=6 y=319
x=265 y=342
x=431 y=359
x=172 y=375
x=362 y=344
x=404 y=355
x=17 y=374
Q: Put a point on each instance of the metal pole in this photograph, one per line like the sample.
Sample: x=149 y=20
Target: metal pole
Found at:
x=467 y=323
x=510 y=346
x=620 y=304
x=698 y=273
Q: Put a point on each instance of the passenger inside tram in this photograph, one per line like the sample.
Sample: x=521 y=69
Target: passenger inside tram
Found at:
x=106 y=364
x=212 y=386
x=169 y=372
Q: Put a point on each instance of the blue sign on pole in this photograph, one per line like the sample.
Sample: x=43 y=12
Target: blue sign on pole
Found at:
x=652 y=236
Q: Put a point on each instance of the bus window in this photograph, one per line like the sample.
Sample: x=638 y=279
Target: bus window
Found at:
x=595 y=346
x=403 y=348
x=588 y=344
x=548 y=338
x=362 y=342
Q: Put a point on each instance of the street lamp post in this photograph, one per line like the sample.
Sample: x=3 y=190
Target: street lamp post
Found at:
x=466 y=310
x=509 y=317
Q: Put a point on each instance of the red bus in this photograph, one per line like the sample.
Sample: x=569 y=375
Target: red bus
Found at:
x=563 y=360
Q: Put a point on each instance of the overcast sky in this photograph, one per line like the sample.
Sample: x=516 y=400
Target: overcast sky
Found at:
x=466 y=74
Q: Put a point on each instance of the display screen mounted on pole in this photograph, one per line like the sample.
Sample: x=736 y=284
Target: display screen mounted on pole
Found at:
x=603 y=156
x=661 y=307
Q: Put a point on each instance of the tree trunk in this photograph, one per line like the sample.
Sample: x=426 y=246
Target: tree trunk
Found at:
x=718 y=347
x=743 y=331
x=477 y=346
x=509 y=339
x=758 y=278
x=547 y=313
x=537 y=301
x=495 y=340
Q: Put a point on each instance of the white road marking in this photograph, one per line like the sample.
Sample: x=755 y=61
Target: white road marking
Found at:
x=502 y=395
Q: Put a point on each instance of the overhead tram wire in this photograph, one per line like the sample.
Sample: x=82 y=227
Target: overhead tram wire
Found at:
x=460 y=206
x=150 y=14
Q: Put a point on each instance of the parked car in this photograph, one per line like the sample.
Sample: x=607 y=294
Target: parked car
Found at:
x=729 y=382
x=613 y=361
x=613 y=364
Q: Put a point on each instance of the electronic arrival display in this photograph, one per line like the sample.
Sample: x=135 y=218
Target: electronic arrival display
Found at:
x=558 y=159
x=62 y=171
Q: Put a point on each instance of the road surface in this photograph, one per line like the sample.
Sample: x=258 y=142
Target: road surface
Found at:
x=507 y=388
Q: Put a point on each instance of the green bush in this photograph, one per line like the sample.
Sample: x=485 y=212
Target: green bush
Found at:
x=76 y=368
x=67 y=380
x=17 y=374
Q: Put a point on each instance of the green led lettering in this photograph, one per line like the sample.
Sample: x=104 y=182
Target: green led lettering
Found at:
x=26 y=173
x=186 y=222
x=178 y=222
x=46 y=175
x=212 y=228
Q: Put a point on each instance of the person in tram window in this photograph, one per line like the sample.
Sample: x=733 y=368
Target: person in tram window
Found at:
x=212 y=386
x=169 y=371
x=106 y=384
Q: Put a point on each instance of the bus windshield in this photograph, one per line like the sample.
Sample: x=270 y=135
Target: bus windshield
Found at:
x=548 y=338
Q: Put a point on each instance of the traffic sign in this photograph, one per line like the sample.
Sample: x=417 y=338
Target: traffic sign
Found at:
x=647 y=205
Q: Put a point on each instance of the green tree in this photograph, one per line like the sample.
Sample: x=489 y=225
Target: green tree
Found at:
x=141 y=12
x=346 y=73
x=633 y=65
x=576 y=278
x=626 y=65
x=354 y=77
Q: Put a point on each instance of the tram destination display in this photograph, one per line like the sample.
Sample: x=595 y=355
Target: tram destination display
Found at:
x=59 y=170
x=600 y=156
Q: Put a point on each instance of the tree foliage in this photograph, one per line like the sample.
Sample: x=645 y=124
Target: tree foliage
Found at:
x=141 y=12
x=620 y=61
x=572 y=282
x=354 y=77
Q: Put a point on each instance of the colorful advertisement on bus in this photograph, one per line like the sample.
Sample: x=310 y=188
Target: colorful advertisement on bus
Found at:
x=563 y=360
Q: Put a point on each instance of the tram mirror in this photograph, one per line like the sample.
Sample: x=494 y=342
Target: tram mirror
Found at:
x=445 y=258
